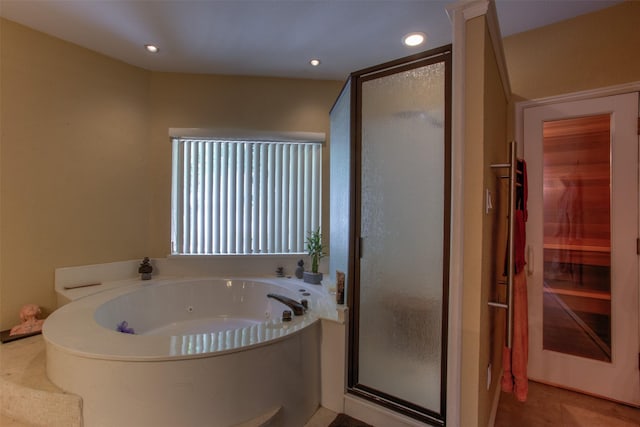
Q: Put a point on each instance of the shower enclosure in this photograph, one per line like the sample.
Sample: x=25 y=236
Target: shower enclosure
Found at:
x=398 y=251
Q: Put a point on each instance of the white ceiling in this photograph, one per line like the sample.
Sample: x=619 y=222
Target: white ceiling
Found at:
x=266 y=37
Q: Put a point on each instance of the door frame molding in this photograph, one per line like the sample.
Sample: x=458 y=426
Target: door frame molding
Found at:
x=354 y=386
x=586 y=95
x=460 y=13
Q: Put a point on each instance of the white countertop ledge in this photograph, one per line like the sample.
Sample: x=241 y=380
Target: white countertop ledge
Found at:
x=73 y=328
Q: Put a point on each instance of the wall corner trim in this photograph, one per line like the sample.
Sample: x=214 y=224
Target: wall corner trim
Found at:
x=496 y=39
x=456 y=276
x=469 y=8
x=459 y=13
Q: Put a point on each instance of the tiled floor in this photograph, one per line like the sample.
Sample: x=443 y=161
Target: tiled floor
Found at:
x=551 y=406
x=322 y=418
x=546 y=406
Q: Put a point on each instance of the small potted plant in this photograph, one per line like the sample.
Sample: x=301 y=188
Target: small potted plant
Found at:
x=315 y=251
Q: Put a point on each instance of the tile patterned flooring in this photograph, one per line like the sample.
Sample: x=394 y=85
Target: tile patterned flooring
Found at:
x=322 y=418
x=551 y=406
x=546 y=405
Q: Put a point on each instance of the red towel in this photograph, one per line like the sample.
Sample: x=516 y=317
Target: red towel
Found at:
x=519 y=241
x=514 y=360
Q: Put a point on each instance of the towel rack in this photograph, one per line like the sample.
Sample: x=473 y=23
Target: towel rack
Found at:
x=512 y=166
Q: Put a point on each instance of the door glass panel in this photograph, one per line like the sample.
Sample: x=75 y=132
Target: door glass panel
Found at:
x=402 y=218
x=577 y=237
x=340 y=181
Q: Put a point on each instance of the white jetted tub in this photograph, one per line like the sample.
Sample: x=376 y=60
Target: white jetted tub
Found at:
x=205 y=352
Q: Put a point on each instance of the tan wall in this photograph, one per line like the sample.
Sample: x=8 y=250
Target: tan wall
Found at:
x=206 y=101
x=591 y=51
x=473 y=218
x=484 y=234
x=85 y=155
x=496 y=150
x=74 y=165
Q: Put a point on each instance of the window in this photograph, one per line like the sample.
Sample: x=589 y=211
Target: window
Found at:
x=238 y=196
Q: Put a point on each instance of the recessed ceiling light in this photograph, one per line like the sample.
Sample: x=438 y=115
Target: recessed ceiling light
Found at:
x=151 y=48
x=314 y=62
x=414 y=39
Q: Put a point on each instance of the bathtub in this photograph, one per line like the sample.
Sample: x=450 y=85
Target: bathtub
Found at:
x=206 y=352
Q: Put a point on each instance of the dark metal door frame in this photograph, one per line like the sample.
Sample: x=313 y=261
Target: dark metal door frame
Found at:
x=353 y=296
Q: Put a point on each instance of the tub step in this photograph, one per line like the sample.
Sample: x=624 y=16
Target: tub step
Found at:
x=268 y=419
x=27 y=394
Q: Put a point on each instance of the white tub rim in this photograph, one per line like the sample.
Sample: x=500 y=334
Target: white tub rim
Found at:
x=89 y=339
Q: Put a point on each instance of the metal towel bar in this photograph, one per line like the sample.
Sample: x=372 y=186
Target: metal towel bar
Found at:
x=513 y=170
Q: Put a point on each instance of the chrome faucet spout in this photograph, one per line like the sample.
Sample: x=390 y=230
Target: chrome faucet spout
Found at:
x=297 y=308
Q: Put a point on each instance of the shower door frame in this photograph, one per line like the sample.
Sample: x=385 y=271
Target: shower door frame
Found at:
x=442 y=54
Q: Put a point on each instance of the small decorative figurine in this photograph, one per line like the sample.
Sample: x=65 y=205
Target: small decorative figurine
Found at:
x=300 y=269
x=339 y=287
x=30 y=323
x=145 y=269
x=124 y=328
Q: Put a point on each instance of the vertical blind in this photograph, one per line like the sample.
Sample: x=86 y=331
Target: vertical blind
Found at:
x=244 y=197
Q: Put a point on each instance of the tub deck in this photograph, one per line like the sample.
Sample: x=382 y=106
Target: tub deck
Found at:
x=207 y=351
x=197 y=337
x=23 y=376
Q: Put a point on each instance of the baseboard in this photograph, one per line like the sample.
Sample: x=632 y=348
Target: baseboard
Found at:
x=496 y=402
x=376 y=415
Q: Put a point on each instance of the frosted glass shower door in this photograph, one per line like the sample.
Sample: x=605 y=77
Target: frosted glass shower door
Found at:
x=403 y=226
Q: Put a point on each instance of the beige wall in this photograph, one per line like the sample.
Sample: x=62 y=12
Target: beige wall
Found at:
x=85 y=155
x=206 y=101
x=473 y=217
x=74 y=165
x=494 y=231
x=484 y=234
x=591 y=51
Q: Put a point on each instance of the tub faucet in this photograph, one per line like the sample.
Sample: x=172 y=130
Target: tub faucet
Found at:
x=297 y=308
